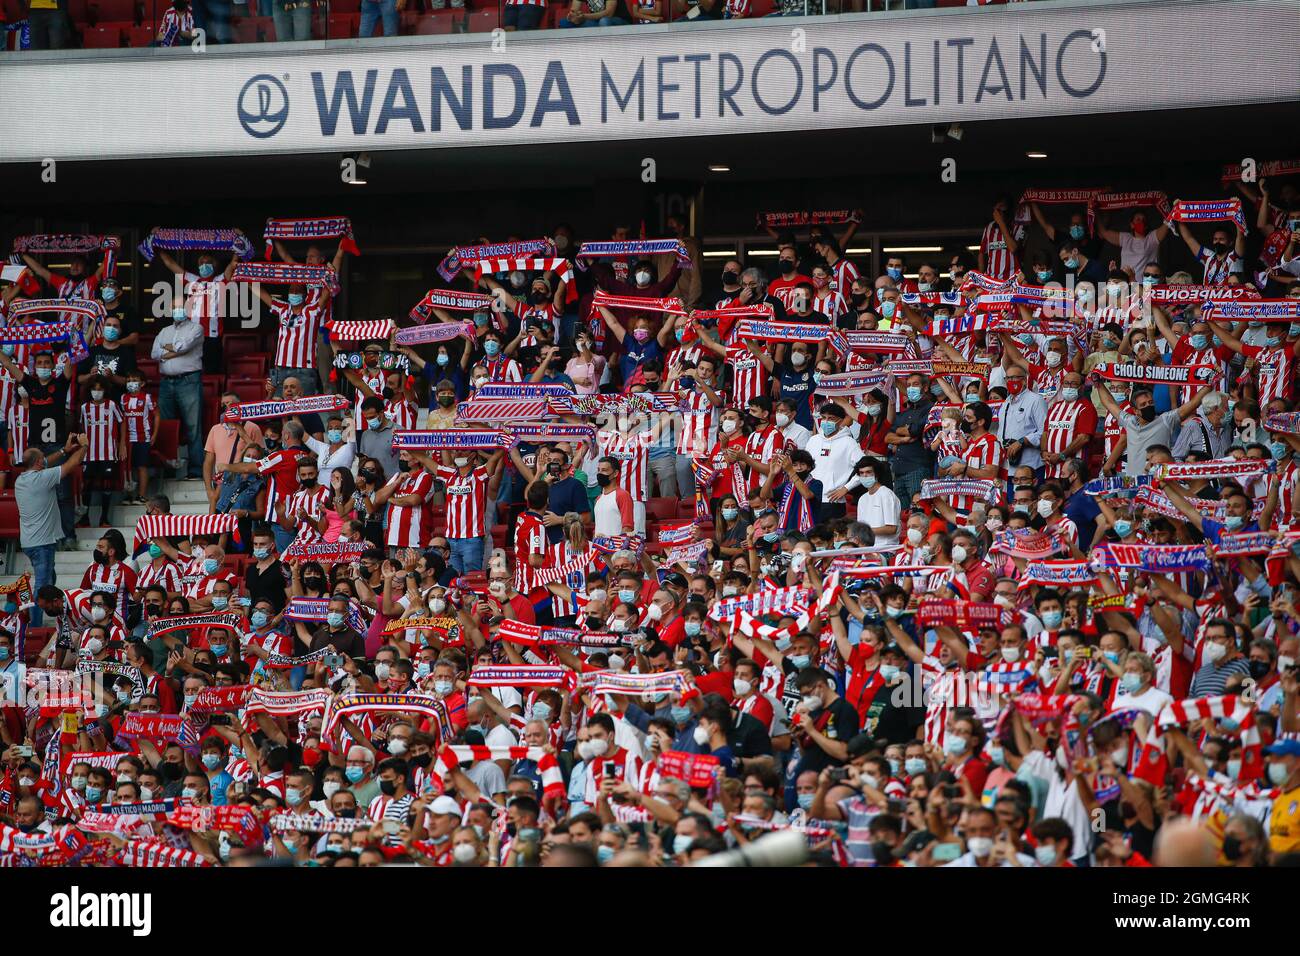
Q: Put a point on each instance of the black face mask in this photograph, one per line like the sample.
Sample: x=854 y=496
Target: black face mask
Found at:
x=786 y=267
x=1220 y=248
x=446 y=401
x=1231 y=847
x=538 y=298
x=316 y=584
x=594 y=623
x=553 y=470
x=1148 y=414
x=967 y=427
x=388 y=787
x=421 y=761
x=388 y=394
x=511 y=830
x=859 y=299
x=604 y=480
x=730 y=278
x=1258 y=669
x=371 y=476
x=307 y=482
x=349 y=814
x=271 y=444
x=403 y=466
x=882 y=852
x=153 y=610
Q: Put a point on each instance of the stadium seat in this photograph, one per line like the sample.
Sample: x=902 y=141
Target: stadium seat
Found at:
x=246 y=30
x=8 y=519
x=37 y=637
x=167 y=447
x=248 y=389
x=437 y=23
x=105 y=12
x=661 y=509
x=78 y=11
x=240 y=344
x=150 y=368
x=247 y=366
x=101 y=38
x=140 y=36
x=344 y=6
x=483 y=21
x=343 y=26
x=761 y=8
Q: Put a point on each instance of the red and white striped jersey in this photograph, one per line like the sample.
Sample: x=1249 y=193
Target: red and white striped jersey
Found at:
x=206 y=584
x=1112 y=430
x=1217 y=270
x=1046 y=381
x=374 y=379
x=296 y=345
x=166 y=574
x=466 y=501
x=407 y=527
x=830 y=303
x=682 y=354
x=503 y=370
x=749 y=378
x=1066 y=421
x=1063 y=528
x=527 y=3
x=842 y=275
x=1286 y=478
x=699 y=425
x=1274 y=370
x=203 y=302
x=273 y=642
x=8 y=391
x=632 y=452
x=312 y=502
x=18 y=420
x=763 y=445
x=980 y=453
x=561 y=553
x=544 y=314
x=530 y=539
x=737 y=8
x=999 y=261
x=1184 y=354
x=137 y=410
x=401 y=413
x=628 y=767
x=174 y=23
x=101 y=421
x=116 y=579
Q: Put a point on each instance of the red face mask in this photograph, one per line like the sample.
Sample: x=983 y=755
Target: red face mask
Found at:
x=1015 y=386
x=1139 y=229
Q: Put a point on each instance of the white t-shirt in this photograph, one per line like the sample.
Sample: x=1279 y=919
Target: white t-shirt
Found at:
x=609 y=520
x=500 y=736
x=1152 y=700
x=1138 y=252
x=878 y=509
x=834 y=459
x=1062 y=801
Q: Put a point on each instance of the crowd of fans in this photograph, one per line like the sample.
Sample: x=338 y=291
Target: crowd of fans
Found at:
x=610 y=554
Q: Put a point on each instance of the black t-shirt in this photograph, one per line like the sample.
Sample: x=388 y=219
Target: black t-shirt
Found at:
x=842 y=725
x=268 y=584
x=748 y=737
x=48 y=410
x=119 y=362
x=124 y=314
x=886 y=720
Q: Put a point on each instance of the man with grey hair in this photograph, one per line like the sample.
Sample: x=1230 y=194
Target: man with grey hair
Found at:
x=36 y=492
x=1209 y=432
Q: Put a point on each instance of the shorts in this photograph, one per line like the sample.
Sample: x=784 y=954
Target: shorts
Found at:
x=523 y=17
x=947 y=461
x=140 y=454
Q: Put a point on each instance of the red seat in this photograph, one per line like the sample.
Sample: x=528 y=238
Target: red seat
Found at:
x=555 y=12
x=114 y=11
x=8 y=519
x=168 y=446
x=79 y=11
x=661 y=509
x=248 y=389
x=343 y=26
x=761 y=8
x=37 y=638
x=140 y=36
x=437 y=23
x=212 y=385
x=240 y=344
x=344 y=6
x=246 y=30
x=483 y=21
x=150 y=369
x=101 y=38
x=247 y=366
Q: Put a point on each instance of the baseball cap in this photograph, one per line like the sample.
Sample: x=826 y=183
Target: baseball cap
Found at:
x=445 y=806
x=1283 y=748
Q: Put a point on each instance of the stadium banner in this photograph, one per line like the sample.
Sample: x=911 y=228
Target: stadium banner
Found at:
x=744 y=76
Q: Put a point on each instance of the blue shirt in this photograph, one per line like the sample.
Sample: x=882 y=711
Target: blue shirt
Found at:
x=567 y=494
x=1214 y=530
x=797 y=387
x=1083 y=510
x=635 y=354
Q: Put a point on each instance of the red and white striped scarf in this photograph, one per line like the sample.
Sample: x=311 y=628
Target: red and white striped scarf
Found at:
x=346 y=705
x=559 y=266
x=285 y=273
x=1153 y=763
x=377 y=330
x=787 y=600
x=154 y=853
x=453 y=756
x=295 y=703
x=182 y=526
x=618 y=682
x=671 y=305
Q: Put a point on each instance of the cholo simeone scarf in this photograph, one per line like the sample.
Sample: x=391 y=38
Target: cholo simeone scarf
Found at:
x=1153 y=763
x=182 y=526
x=790 y=219
x=340 y=552
x=1278 y=167
x=347 y=705
x=285 y=273
x=1214 y=210
x=1157 y=374
x=450 y=439
x=1236 y=468
x=434 y=332
x=641 y=248
x=853 y=383
x=186 y=240
x=166 y=625
x=318 y=823
x=308 y=404
x=375 y=330
x=320 y=227
x=516 y=675
x=462 y=256
x=558 y=265
x=451 y=301
x=670 y=305
x=1261 y=310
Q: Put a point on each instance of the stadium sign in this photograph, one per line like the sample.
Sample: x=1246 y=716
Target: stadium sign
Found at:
x=959 y=65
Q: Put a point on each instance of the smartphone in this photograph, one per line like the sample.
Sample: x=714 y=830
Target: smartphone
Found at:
x=332 y=660
x=1083 y=652
x=838 y=775
x=25 y=751
x=609 y=769
x=952 y=792
x=945 y=852
x=391 y=826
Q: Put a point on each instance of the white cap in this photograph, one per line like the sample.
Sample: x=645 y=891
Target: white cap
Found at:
x=445 y=806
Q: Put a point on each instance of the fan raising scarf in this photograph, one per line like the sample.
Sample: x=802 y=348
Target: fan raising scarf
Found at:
x=501 y=410
x=459 y=257
x=346 y=705
x=517 y=675
x=318 y=823
x=284 y=273
x=1157 y=374
x=452 y=757
x=169 y=625
x=182 y=526
x=376 y=330
x=434 y=332
x=641 y=248
x=1215 y=210
x=963 y=615
x=542 y=432
x=289 y=703
x=876 y=343
x=1058 y=574
x=170 y=727
x=220 y=700
x=671 y=305
x=1261 y=310
x=187 y=240
x=1106 y=202
x=598 y=403
x=44 y=333
x=1188 y=294
x=773 y=601
x=559 y=266
x=1055 y=197
x=309 y=404
x=1027 y=543
x=1286 y=422
x=793 y=219
x=1153 y=763
x=315 y=610
x=65 y=242
x=324 y=227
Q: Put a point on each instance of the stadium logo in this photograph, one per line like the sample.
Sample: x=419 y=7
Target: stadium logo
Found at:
x=263 y=106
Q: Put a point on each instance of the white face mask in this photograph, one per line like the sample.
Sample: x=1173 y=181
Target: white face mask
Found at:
x=1011 y=654
x=782 y=419
x=97 y=394
x=741 y=687
x=643 y=278
x=618 y=625
x=461 y=462
x=616 y=662
x=1053 y=359
x=958 y=554
x=797 y=358
x=654 y=613
x=1213 y=652
x=97 y=613
x=1045 y=507
x=330 y=787
x=438 y=605
x=914 y=536
x=397 y=746
x=497 y=588
x=728 y=426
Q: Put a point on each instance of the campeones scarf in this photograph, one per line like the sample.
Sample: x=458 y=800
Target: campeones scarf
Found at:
x=309 y=404
x=458 y=258
x=1216 y=210
x=324 y=227
x=1236 y=468
x=284 y=273
x=1187 y=294
x=184 y=240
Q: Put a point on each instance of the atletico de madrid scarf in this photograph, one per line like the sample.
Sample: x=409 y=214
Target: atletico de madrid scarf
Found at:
x=324 y=227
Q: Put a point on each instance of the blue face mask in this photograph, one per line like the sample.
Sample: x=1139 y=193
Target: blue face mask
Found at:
x=1076 y=232
x=1123 y=528
x=189 y=793
x=212 y=761
x=692 y=628
x=1112 y=656
x=443 y=358
x=261 y=553
x=1130 y=683
x=334 y=618
x=997 y=756
x=828 y=429
x=805 y=801
x=681 y=843
x=800 y=661
x=1277 y=449
x=334 y=435
x=491 y=347
x=206 y=269
x=914 y=766
x=730 y=514
x=295 y=298
x=954 y=745
x=772 y=537
x=1233 y=522
x=258 y=618
x=1044 y=275
x=887 y=308
x=374 y=424
x=218 y=650
x=1052 y=619
x=914 y=393
x=894 y=273
x=783 y=642
x=219 y=601
x=680 y=333
x=1072 y=262
x=179 y=315
x=112 y=333
x=94 y=794
x=1198 y=341
x=541 y=711
x=1277 y=774
x=210 y=565
x=4 y=653
x=680 y=715
x=109 y=294
x=1045 y=855
x=627 y=595
x=44 y=373
x=604 y=854
x=354 y=774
